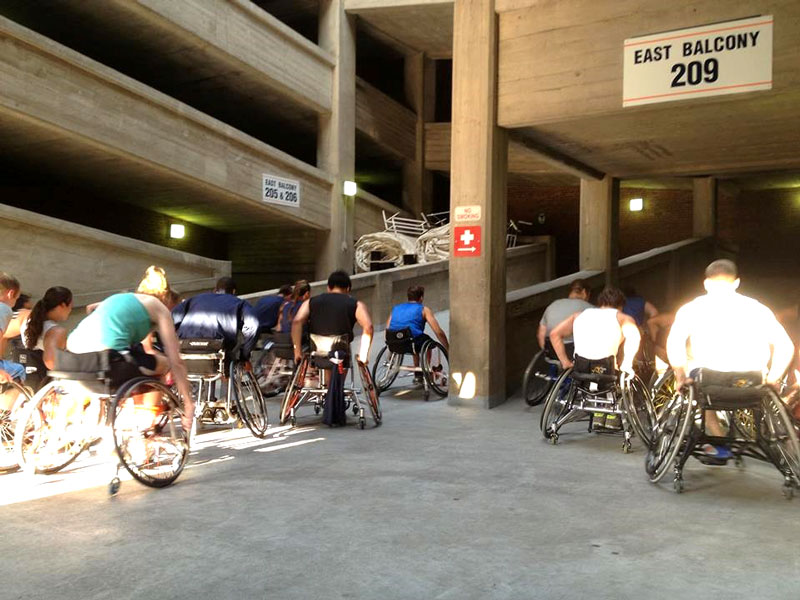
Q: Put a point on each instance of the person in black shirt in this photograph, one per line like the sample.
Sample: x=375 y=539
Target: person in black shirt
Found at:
x=333 y=313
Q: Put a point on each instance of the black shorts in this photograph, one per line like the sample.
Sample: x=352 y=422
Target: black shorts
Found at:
x=128 y=364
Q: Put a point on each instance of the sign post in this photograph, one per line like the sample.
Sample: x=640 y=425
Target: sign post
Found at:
x=711 y=60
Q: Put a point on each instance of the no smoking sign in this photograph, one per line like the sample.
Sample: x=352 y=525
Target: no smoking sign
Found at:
x=467 y=241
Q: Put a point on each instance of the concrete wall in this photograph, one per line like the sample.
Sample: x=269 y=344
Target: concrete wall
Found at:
x=666 y=276
x=42 y=252
x=381 y=290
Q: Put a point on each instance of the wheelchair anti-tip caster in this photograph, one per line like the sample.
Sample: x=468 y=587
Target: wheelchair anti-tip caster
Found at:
x=553 y=438
x=362 y=422
x=355 y=409
x=293 y=421
x=677 y=485
x=626 y=447
x=317 y=408
x=113 y=486
x=739 y=462
x=426 y=395
x=788 y=489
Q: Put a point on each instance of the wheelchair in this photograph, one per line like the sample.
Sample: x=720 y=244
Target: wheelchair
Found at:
x=8 y=424
x=756 y=418
x=593 y=389
x=35 y=369
x=433 y=363
x=310 y=382
x=541 y=373
x=274 y=366
x=206 y=363
x=94 y=393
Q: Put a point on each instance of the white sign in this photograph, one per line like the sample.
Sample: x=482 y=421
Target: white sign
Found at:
x=464 y=214
x=277 y=190
x=724 y=58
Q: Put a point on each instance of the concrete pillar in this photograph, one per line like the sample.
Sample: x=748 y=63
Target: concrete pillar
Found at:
x=704 y=207
x=599 y=227
x=479 y=168
x=420 y=87
x=336 y=143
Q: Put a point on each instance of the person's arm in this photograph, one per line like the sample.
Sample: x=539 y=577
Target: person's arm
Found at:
x=676 y=345
x=168 y=337
x=632 y=340
x=297 y=330
x=557 y=335
x=650 y=311
x=55 y=339
x=541 y=335
x=91 y=307
x=280 y=318
x=250 y=329
x=14 y=325
x=782 y=351
x=388 y=320
x=363 y=318
x=437 y=329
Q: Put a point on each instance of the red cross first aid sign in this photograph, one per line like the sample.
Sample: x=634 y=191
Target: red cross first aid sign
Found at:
x=467 y=240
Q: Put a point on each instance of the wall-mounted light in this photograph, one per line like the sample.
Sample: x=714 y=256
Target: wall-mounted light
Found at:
x=636 y=204
x=350 y=188
x=177 y=231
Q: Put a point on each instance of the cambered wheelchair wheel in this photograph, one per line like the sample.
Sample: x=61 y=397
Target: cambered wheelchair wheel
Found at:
x=639 y=408
x=386 y=369
x=556 y=406
x=662 y=391
x=292 y=394
x=148 y=436
x=535 y=387
x=250 y=403
x=8 y=423
x=54 y=427
x=777 y=431
x=669 y=435
x=371 y=393
x=268 y=374
x=435 y=367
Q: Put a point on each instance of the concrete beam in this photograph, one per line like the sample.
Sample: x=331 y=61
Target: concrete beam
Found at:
x=599 y=226
x=704 y=207
x=420 y=85
x=49 y=87
x=385 y=121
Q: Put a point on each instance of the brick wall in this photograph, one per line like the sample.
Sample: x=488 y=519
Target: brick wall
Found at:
x=665 y=218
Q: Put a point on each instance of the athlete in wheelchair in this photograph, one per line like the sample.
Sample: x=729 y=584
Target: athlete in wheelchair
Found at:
x=728 y=354
x=320 y=378
x=405 y=336
x=591 y=387
x=545 y=367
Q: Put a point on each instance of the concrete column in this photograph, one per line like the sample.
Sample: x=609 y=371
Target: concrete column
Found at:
x=599 y=227
x=420 y=87
x=704 y=223
x=479 y=168
x=336 y=143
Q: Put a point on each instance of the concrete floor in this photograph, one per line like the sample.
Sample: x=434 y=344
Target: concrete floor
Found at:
x=438 y=502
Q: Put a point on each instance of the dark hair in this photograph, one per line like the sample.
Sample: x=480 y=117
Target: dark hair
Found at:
x=611 y=297
x=629 y=291
x=339 y=279
x=226 y=285
x=722 y=268
x=172 y=298
x=21 y=301
x=301 y=288
x=53 y=297
x=416 y=293
x=579 y=285
x=8 y=282
x=285 y=290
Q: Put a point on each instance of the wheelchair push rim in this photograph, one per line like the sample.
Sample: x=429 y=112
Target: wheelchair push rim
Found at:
x=556 y=406
x=781 y=435
x=436 y=367
x=8 y=423
x=372 y=394
x=639 y=408
x=535 y=388
x=148 y=435
x=669 y=433
x=292 y=395
x=250 y=403
x=386 y=369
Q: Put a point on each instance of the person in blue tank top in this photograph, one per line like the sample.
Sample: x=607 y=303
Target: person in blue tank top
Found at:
x=300 y=293
x=637 y=307
x=414 y=315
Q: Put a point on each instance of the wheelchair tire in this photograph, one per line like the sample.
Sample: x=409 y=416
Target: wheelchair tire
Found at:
x=41 y=441
x=554 y=408
x=149 y=439
x=292 y=393
x=669 y=434
x=639 y=409
x=535 y=389
x=385 y=371
x=250 y=404
x=371 y=393
x=269 y=387
x=435 y=367
x=781 y=436
x=8 y=423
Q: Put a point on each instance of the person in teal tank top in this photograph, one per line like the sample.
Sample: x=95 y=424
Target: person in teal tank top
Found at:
x=119 y=322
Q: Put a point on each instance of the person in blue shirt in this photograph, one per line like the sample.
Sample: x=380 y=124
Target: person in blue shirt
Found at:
x=268 y=308
x=414 y=315
x=219 y=315
x=300 y=293
x=637 y=307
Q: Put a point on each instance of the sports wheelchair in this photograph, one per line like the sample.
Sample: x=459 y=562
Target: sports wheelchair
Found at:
x=206 y=363
x=593 y=389
x=274 y=365
x=433 y=366
x=758 y=426
x=541 y=373
x=310 y=382
x=90 y=394
x=8 y=424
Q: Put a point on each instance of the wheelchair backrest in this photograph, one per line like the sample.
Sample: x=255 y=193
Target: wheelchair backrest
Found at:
x=92 y=370
x=33 y=362
x=323 y=345
x=203 y=356
x=730 y=390
x=282 y=345
x=600 y=371
x=400 y=341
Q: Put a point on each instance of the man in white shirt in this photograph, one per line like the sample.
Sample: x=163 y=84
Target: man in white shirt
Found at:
x=726 y=331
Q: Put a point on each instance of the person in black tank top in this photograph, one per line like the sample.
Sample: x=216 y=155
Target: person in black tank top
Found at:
x=333 y=313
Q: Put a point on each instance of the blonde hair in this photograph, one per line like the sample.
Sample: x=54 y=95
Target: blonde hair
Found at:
x=154 y=283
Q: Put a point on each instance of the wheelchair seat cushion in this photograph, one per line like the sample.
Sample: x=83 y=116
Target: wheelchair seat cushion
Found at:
x=400 y=341
x=600 y=371
x=729 y=389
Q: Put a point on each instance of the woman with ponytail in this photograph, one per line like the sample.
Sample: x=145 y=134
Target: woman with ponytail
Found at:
x=41 y=330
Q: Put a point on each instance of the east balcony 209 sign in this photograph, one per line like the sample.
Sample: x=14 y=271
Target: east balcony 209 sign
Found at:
x=722 y=58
